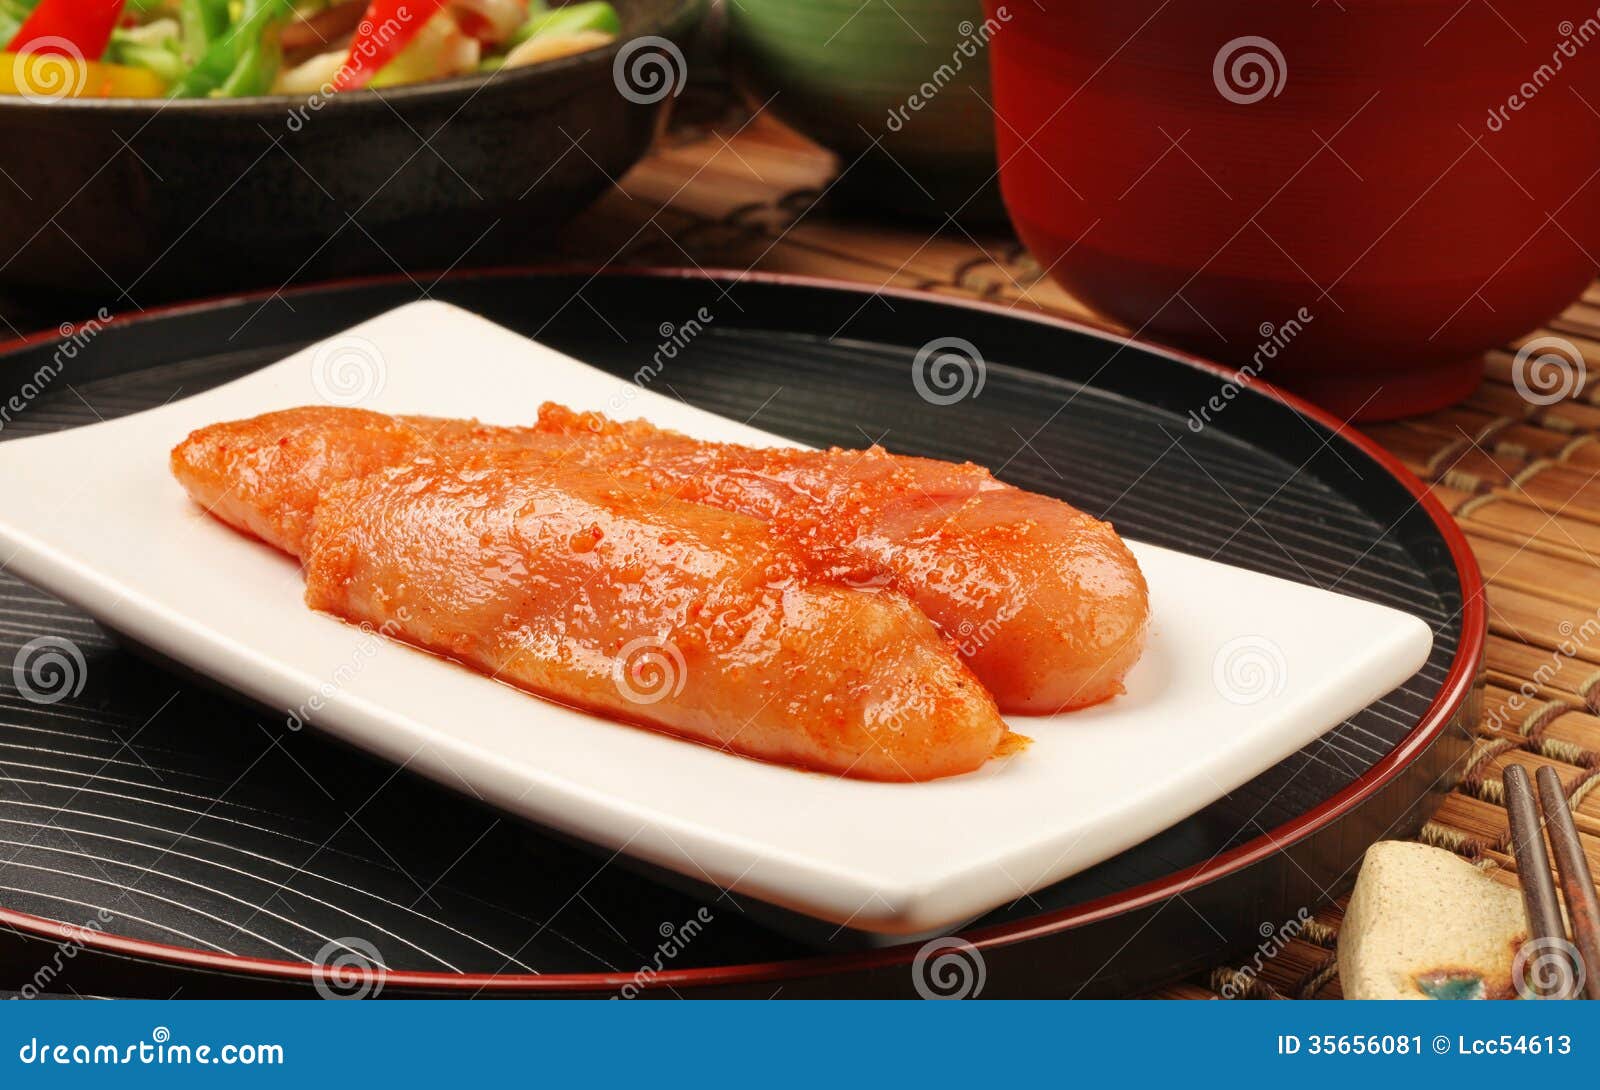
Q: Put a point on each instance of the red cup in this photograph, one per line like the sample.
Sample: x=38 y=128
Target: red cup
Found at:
x=1353 y=199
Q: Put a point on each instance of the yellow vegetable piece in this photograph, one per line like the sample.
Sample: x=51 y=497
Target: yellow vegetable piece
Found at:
x=547 y=47
x=50 y=77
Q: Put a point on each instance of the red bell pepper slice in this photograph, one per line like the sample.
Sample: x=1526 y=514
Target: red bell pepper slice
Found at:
x=387 y=28
x=69 y=28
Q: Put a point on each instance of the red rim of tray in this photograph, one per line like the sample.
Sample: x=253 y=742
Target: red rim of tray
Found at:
x=1456 y=688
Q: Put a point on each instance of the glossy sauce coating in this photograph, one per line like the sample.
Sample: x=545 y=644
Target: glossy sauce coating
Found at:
x=264 y=475
x=1044 y=602
x=597 y=594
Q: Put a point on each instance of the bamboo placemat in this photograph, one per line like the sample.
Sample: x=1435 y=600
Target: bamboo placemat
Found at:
x=1522 y=479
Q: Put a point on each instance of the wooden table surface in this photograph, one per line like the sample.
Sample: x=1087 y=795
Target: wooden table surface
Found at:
x=1523 y=480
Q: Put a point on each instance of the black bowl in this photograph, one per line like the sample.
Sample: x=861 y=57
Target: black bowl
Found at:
x=130 y=201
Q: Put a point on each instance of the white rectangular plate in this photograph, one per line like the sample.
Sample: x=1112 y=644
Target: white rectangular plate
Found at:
x=1241 y=670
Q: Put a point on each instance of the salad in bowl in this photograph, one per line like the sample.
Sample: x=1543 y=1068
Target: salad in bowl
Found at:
x=241 y=48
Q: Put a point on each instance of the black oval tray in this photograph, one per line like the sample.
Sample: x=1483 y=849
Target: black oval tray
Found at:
x=172 y=838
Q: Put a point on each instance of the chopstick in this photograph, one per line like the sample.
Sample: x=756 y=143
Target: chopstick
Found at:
x=1539 y=897
x=1577 y=883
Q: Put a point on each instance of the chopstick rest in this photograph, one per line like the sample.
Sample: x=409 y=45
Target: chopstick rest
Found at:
x=1423 y=923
